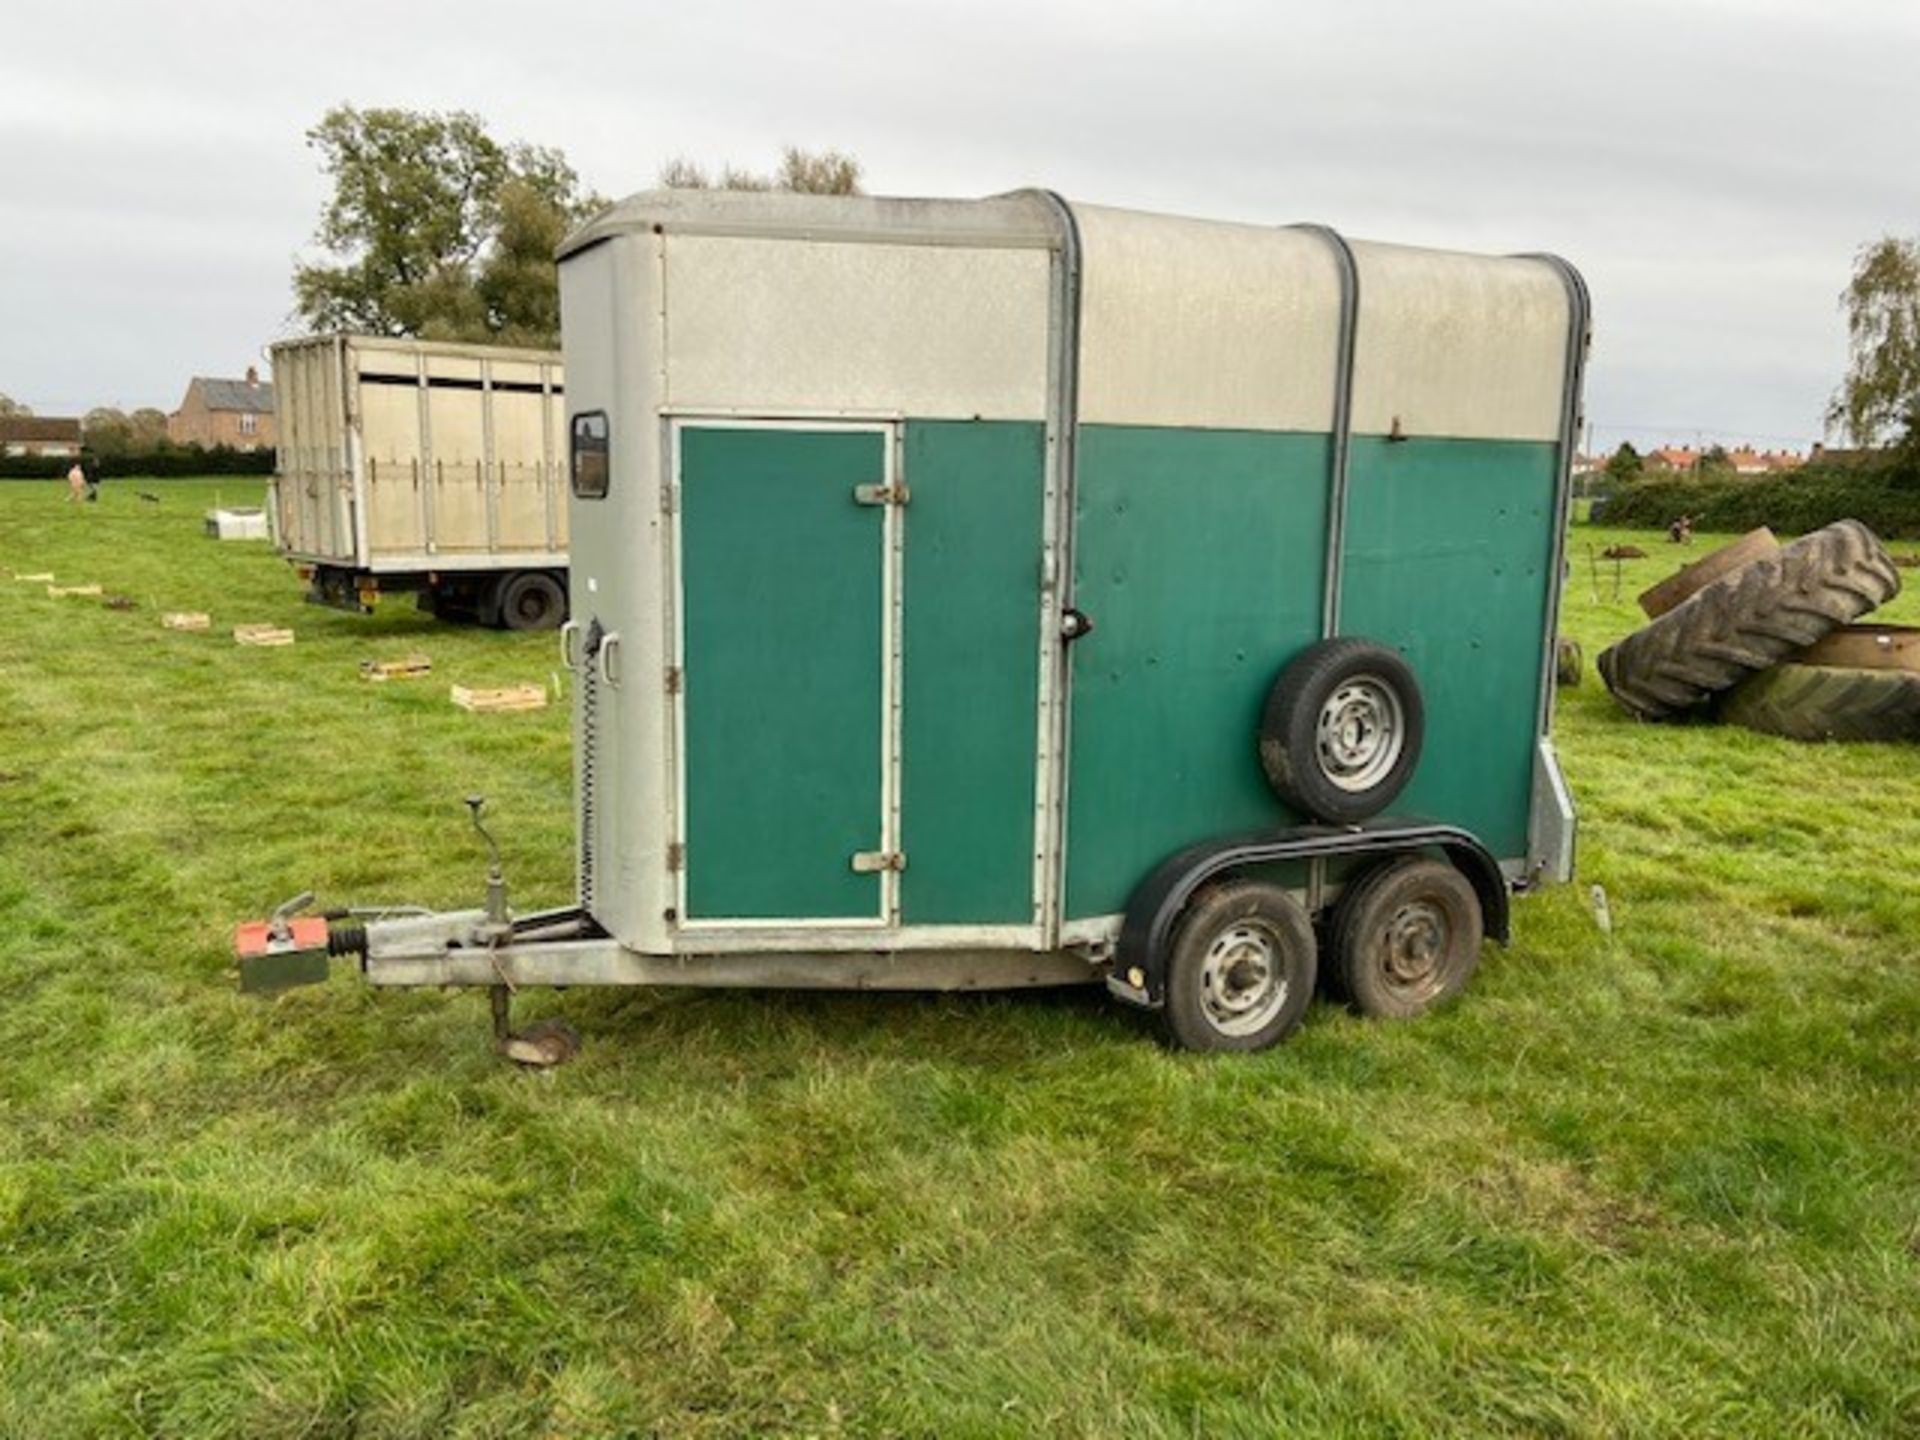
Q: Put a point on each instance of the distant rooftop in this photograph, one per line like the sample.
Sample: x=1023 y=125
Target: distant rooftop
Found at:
x=241 y=395
x=25 y=429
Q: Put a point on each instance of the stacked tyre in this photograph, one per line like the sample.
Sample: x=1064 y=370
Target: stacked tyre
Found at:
x=1752 y=634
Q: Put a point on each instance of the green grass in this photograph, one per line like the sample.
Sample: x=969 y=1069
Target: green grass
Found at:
x=1663 y=1182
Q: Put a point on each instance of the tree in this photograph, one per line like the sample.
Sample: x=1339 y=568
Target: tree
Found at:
x=147 y=428
x=1715 y=461
x=1625 y=464
x=107 y=431
x=1881 y=393
x=10 y=407
x=438 y=230
x=810 y=172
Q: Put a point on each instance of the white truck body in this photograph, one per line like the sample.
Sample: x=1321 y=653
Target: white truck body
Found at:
x=403 y=461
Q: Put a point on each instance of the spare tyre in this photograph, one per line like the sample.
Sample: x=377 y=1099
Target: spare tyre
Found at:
x=1759 y=615
x=1342 y=729
x=1828 y=702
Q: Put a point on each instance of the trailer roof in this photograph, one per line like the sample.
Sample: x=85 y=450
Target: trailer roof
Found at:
x=1024 y=219
x=412 y=344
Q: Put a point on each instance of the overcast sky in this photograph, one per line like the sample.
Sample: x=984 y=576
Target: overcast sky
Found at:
x=1711 y=165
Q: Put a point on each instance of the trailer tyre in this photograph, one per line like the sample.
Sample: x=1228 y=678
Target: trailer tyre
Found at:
x=1404 y=938
x=1757 y=616
x=532 y=600
x=1342 y=730
x=1240 y=968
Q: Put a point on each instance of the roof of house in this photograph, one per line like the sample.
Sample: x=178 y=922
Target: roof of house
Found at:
x=241 y=395
x=25 y=428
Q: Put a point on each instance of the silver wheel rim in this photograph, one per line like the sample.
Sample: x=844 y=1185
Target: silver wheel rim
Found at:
x=1360 y=733
x=1242 y=983
x=1414 y=950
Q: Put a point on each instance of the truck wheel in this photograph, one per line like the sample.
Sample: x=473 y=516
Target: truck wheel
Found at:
x=532 y=600
x=1746 y=621
x=1405 y=937
x=1828 y=702
x=1342 y=729
x=1240 y=969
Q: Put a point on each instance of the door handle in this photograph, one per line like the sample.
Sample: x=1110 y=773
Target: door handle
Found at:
x=609 y=675
x=567 y=631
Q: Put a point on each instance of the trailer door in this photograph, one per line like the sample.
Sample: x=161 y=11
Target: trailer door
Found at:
x=784 y=681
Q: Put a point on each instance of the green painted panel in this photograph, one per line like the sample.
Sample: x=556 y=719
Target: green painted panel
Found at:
x=1448 y=548
x=1200 y=556
x=969 y=681
x=782 y=584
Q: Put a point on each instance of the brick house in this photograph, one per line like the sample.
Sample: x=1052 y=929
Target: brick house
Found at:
x=238 y=413
x=38 y=435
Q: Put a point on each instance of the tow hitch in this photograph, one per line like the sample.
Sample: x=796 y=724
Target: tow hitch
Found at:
x=284 y=950
x=408 y=944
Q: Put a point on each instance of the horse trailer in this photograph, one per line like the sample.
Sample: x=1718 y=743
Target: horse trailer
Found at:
x=1012 y=592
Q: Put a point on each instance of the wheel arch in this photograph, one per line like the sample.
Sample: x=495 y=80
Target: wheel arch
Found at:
x=1153 y=909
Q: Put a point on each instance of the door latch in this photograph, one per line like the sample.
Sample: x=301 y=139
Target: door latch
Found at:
x=872 y=862
x=880 y=494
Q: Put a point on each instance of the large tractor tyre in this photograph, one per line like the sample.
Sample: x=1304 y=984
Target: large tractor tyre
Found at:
x=1828 y=702
x=532 y=600
x=1657 y=600
x=1405 y=937
x=1240 y=968
x=1761 y=614
x=1342 y=730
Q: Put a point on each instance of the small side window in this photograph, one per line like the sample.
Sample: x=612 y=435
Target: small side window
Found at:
x=590 y=469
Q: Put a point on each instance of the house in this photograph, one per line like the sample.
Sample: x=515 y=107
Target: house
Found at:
x=237 y=413
x=38 y=435
x=1674 y=459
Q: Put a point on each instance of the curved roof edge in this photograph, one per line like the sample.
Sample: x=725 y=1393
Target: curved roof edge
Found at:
x=1021 y=219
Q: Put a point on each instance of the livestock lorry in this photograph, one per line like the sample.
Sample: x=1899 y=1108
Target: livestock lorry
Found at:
x=1017 y=592
x=416 y=466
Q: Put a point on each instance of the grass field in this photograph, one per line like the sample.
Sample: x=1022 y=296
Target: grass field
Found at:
x=1662 y=1182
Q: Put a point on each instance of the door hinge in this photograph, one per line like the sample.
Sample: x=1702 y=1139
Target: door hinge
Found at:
x=673 y=679
x=676 y=856
x=666 y=499
x=871 y=862
x=880 y=495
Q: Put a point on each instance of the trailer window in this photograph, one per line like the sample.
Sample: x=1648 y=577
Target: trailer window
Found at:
x=590 y=455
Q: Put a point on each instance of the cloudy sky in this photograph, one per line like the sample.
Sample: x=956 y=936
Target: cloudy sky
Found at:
x=1711 y=165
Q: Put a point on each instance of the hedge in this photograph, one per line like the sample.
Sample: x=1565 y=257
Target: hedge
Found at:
x=173 y=463
x=1885 y=498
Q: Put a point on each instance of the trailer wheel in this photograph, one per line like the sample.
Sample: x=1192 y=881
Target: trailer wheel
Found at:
x=1342 y=730
x=532 y=600
x=1240 y=968
x=1405 y=937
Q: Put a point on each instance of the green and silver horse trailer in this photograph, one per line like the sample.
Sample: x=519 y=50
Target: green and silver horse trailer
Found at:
x=1014 y=592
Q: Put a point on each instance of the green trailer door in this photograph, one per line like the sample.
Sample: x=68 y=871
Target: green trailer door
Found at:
x=782 y=577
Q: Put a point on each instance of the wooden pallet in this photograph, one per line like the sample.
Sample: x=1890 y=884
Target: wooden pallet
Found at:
x=508 y=697
x=262 y=635
x=186 y=620
x=407 y=667
x=59 y=592
x=42 y=577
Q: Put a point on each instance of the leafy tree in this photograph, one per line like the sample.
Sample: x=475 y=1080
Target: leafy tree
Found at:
x=10 y=407
x=147 y=428
x=1715 y=461
x=437 y=229
x=1625 y=463
x=107 y=431
x=810 y=172
x=1881 y=392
